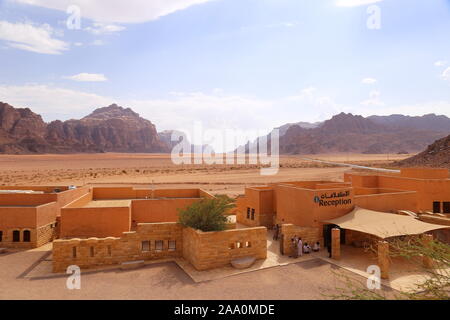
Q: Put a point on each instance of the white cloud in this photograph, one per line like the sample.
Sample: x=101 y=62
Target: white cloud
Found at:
x=119 y=11
x=440 y=63
x=99 y=28
x=29 y=37
x=369 y=81
x=374 y=99
x=355 y=3
x=446 y=74
x=52 y=102
x=87 y=77
x=216 y=110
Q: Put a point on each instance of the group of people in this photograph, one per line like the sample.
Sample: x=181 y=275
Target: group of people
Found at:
x=299 y=248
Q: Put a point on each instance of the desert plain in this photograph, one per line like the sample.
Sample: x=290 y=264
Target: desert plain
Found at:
x=158 y=170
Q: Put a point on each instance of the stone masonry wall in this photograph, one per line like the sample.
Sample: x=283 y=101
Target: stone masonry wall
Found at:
x=208 y=250
x=87 y=253
x=308 y=234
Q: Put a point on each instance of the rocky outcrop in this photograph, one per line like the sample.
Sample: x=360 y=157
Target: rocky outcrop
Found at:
x=21 y=131
x=436 y=155
x=109 y=129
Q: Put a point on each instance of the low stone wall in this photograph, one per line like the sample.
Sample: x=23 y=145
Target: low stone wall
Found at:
x=152 y=241
x=148 y=242
x=308 y=234
x=208 y=250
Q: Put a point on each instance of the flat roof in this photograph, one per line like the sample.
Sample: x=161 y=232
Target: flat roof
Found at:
x=107 y=203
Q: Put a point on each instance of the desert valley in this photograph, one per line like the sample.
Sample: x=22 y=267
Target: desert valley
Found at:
x=114 y=145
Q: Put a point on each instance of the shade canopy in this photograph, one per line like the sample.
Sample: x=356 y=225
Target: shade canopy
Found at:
x=383 y=225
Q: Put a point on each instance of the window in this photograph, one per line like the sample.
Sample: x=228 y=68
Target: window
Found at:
x=253 y=214
x=109 y=251
x=1 y=236
x=16 y=236
x=145 y=246
x=436 y=207
x=172 y=245
x=26 y=236
x=248 y=213
x=248 y=244
x=159 y=245
x=238 y=245
x=231 y=246
x=446 y=207
x=74 y=252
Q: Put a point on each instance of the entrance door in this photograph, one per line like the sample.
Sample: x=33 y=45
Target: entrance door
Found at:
x=436 y=207
x=342 y=236
x=327 y=234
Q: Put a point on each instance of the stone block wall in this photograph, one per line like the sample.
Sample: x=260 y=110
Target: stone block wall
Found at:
x=208 y=250
x=309 y=235
x=148 y=242
x=46 y=234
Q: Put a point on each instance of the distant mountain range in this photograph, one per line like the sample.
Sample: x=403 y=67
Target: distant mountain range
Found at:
x=353 y=133
x=118 y=129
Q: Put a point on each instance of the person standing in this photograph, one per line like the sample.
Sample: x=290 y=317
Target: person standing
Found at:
x=276 y=233
x=300 y=247
x=294 y=246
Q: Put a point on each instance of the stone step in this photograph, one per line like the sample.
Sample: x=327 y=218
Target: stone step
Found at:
x=132 y=264
x=243 y=263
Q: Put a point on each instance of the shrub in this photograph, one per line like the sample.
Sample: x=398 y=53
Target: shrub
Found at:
x=206 y=214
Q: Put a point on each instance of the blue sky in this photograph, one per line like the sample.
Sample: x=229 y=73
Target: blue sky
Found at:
x=249 y=64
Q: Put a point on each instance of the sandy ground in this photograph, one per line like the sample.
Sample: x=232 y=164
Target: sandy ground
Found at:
x=304 y=280
x=314 y=279
x=158 y=170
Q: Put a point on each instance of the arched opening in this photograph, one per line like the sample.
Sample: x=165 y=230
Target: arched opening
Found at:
x=16 y=236
x=26 y=236
x=1 y=236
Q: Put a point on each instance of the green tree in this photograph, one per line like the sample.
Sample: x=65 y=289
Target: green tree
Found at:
x=206 y=214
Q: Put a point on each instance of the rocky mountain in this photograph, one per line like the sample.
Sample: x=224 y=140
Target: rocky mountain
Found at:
x=306 y=125
x=430 y=122
x=354 y=133
x=109 y=129
x=21 y=131
x=436 y=155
